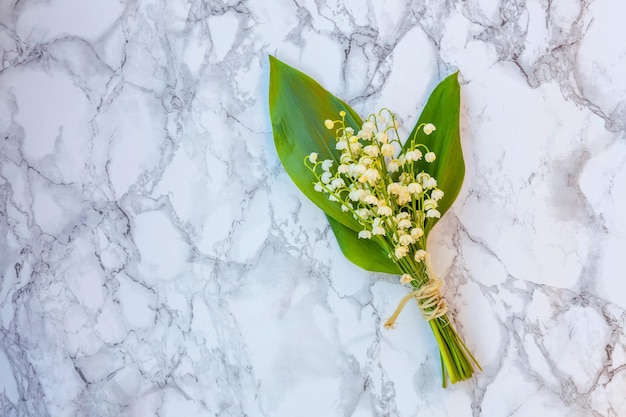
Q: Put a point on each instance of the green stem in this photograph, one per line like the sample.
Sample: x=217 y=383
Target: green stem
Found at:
x=456 y=360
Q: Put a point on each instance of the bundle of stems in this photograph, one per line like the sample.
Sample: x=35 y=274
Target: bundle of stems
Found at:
x=457 y=362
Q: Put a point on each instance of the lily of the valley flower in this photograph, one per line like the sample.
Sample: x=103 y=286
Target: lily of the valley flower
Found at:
x=365 y=234
x=429 y=128
x=391 y=209
x=405 y=279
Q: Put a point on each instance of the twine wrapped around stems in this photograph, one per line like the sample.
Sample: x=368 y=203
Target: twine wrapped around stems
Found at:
x=428 y=297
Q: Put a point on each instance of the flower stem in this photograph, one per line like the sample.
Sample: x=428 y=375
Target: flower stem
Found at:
x=456 y=360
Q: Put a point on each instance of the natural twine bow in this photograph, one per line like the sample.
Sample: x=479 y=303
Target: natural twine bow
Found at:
x=428 y=298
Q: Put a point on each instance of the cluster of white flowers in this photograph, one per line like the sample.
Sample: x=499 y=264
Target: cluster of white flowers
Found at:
x=380 y=185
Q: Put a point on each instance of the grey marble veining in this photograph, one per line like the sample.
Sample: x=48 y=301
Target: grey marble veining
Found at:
x=156 y=259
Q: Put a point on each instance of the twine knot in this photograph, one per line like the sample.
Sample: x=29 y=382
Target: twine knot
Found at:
x=428 y=297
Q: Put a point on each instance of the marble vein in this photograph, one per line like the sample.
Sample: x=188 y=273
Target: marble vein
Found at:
x=155 y=258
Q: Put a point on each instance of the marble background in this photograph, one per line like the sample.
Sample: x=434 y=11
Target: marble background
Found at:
x=155 y=258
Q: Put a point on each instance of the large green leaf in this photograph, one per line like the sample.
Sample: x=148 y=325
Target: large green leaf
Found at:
x=298 y=108
x=442 y=110
x=362 y=252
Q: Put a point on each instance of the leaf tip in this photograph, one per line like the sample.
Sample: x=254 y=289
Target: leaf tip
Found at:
x=455 y=75
x=276 y=63
x=273 y=60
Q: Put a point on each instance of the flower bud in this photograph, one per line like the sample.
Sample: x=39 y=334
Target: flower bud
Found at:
x=406 y=278
x=378 y=230
x=371 y=150
x=436 y=194
x=387 y=149
x=382 y=137
x=406 y=240
x=420 y=255
x=433 y=213
x=401 y=251
x=429 y=128
x=415 y=188
x=365 y=234
x=384 y=211
x=404 y=224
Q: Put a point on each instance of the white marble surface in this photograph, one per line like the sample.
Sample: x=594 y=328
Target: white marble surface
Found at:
x=155 y=258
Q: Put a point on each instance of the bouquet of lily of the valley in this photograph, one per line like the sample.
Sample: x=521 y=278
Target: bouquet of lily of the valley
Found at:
x=381 y=195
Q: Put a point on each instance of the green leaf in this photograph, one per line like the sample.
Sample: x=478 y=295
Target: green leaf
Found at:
x=365 y=253
x=298 y=108
x=442 y=110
